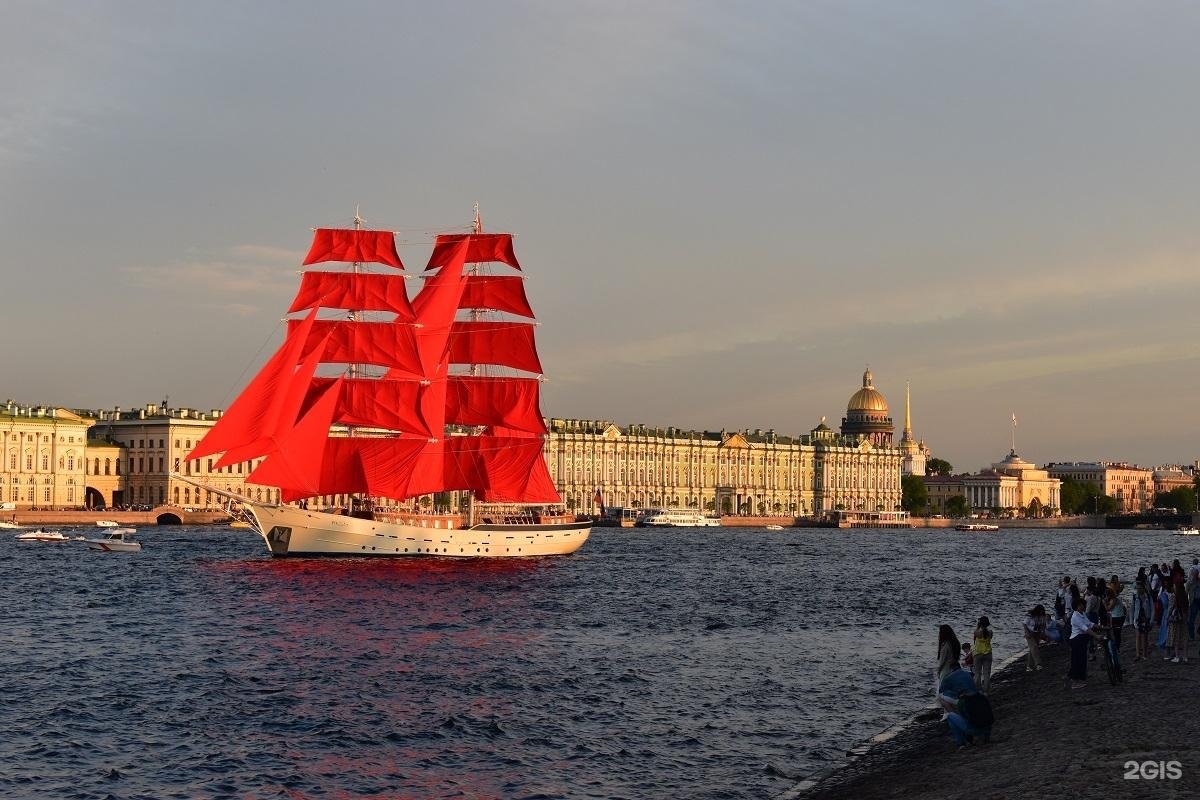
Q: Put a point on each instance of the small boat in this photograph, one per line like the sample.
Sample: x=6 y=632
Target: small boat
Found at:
x=42 y=535
x=105 y=523
x=241 y=523
x=116 y=540
x=1187 y=530
x=10 y=526
x=977 y=526
x=774 y=527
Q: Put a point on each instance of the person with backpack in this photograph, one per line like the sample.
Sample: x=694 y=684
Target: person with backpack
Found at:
x=968 y=711
x=981 y=654
x=1143 y=619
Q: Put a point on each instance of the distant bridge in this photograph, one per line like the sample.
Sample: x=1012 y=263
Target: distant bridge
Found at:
x=1147 y=520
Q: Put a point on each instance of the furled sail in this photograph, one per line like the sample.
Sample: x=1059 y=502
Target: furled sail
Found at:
x=353 y=245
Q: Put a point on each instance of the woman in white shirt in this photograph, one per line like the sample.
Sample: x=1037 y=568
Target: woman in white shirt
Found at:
x=1081 y=630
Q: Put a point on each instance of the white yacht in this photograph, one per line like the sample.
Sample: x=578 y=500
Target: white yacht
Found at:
x=677 y=518
x=115 y=540
x=42 y=535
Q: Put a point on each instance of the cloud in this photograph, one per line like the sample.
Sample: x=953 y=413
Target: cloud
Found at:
x=225 y=280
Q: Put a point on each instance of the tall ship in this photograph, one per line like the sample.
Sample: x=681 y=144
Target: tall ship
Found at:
x=425 y=412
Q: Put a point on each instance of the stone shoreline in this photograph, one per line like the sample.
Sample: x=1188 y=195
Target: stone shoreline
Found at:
x=1048 y=739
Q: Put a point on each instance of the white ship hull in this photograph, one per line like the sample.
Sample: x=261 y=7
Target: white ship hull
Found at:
x=290 y=531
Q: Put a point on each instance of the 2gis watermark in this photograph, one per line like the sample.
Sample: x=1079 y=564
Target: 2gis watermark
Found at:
x=1152 y=770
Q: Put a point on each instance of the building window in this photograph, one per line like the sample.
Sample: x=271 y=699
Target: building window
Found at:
x=70 y=463
x=45 y=463
x=46 y=495
x=29 y=462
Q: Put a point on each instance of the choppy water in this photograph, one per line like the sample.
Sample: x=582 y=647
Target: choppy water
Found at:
x=652 y=664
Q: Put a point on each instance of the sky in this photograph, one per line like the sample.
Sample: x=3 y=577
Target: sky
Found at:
x=726 y=211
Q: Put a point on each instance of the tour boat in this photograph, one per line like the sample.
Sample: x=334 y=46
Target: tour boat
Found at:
x=115 y=540
x=42 y=535
x=389 y=401
x=674 y=518
x=977 y=526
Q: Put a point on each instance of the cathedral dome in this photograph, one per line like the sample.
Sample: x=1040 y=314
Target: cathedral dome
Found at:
x=868 y=398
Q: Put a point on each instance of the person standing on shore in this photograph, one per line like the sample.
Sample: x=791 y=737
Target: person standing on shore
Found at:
x=1164 y=605
x=981 y=655
x=1143 y=619
x=1116 y=613
x=1176 y=618
x=1155 y=579
x=1081 y=630
x=1035 y=633
x=948 y=648
x=1193 y=597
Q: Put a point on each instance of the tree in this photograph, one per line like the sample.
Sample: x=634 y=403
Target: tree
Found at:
x=1182 y=499
x=914 y=495
x=726 y=505
x=957 y=506
x=1084 y=497
x=938 y=466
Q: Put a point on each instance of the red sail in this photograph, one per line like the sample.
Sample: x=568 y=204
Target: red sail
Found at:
x=509 y=344
x=497 y=293
x=340 y=244
x=482 y=247
x=359 y=292
x=538 y=487
x=384 y=344
x=377 y=403
x=508 y=402
x=256 y=409
x=287 y=407
x=296 y=464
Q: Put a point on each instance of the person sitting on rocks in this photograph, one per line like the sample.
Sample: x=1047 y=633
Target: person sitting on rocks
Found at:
x=968 y=711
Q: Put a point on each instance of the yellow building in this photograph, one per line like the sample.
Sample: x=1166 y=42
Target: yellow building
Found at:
x=1132 y=486
x=150 y=442
x=42 y=454
x=1012 y=487
x=739 y=472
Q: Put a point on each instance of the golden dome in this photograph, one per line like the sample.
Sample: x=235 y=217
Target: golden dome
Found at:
x=868 y=398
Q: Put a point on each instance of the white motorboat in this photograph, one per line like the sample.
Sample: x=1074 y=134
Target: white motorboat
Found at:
x=1187 y=530
x=677 y=518
x=977 y=526
x=774 y=527
x=10 y=526
x=106 y=523
x=42 y=535
x=115 y=540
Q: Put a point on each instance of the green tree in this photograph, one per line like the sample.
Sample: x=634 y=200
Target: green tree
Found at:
x=914 y=495
x=956 y=506
x=938 y=466
x=1182 y=499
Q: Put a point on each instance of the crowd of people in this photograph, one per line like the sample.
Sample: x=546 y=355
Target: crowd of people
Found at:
x=1163 y=608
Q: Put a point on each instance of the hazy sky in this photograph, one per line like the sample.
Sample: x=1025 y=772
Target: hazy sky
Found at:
x=726 y=210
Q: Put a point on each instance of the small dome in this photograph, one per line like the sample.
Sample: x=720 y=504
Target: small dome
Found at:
x=868 y=398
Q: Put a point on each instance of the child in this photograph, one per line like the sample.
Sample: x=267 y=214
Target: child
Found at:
x=968 y=661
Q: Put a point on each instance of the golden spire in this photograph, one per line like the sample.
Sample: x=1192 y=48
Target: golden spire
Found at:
x=907 y=412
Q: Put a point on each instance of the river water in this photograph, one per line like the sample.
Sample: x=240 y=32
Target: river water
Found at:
x=713 y=663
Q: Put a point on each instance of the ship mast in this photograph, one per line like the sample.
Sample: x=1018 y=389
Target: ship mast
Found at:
x=475 y=314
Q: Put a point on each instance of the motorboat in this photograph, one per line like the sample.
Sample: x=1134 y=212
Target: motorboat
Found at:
x=42 y=535
x=106 y=523
x=977 y=526
x=10 y=526
x=673 y=518
x=1187 y=530
x=115 y=540
x=774 y=527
